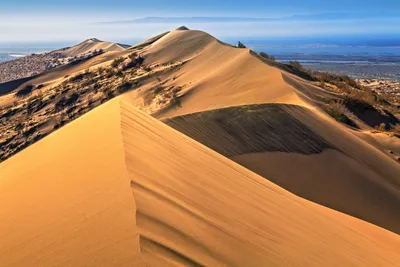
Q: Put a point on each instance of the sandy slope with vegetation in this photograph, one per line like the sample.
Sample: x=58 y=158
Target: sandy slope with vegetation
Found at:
x=310 y=133
x=36 y=64
x=91 y=45
x=190 y=205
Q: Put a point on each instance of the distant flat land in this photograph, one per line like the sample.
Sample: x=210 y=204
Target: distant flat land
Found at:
x=387 y=71
x=357 y=66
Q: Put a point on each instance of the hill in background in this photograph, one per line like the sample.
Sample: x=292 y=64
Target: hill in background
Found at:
x=35 y=64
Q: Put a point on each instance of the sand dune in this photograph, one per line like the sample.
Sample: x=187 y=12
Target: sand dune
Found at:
x=74 y=207
x=118 y=188
x=92 y=44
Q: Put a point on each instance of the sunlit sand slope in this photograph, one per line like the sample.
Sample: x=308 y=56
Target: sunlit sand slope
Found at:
x=66 y=201
x=212 y=75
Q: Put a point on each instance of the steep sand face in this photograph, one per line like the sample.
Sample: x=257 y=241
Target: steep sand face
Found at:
x=350 y=175
x=381 y=141
x=65 y=201
x=344 y=184
x=73 y=205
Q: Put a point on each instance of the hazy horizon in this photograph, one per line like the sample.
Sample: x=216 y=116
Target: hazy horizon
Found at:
x=72 y=21
x=344 y=40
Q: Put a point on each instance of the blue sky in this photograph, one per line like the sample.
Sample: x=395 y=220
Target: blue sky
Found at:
x=128 y=20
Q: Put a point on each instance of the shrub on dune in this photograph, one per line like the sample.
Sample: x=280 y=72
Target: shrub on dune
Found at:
x=26 y=90
x=116 y=62
x=266 y=56
x=124 y=86
x=296 y=64
x=241 y=45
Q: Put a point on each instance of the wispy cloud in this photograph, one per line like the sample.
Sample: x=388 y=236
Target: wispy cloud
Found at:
x=186 y=20
x=215 y=19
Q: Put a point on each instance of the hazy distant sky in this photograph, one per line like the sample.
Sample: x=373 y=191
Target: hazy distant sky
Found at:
x=123 y=20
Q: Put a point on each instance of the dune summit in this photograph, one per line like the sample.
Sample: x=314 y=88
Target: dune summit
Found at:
x=182 y=28
x=190 y=205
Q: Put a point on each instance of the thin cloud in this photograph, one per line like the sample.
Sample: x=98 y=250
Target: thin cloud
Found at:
x=299 y=17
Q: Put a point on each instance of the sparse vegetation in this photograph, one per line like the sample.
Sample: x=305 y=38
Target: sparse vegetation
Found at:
x=382 y=127
x=132 y=62
x=266 y=56
x=338 y=111
x=364 y=103
x=66 y=101
x=241 y=45
x=335 y=79
x=29 y=118
x=25 y=91
x=296 y=64
x=147 y=68
x=78 y=77
x=396 y=130
x=35 y=64
x=133 y=55
x=175 y=99
x=158 y=90
x=124 y=86
x=117 y=62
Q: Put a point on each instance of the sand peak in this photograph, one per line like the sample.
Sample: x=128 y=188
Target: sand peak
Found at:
x=182 y=28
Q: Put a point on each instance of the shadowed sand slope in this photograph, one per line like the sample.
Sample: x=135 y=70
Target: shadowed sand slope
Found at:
x=73 y=206
x=252 y=129
x=350 y=175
